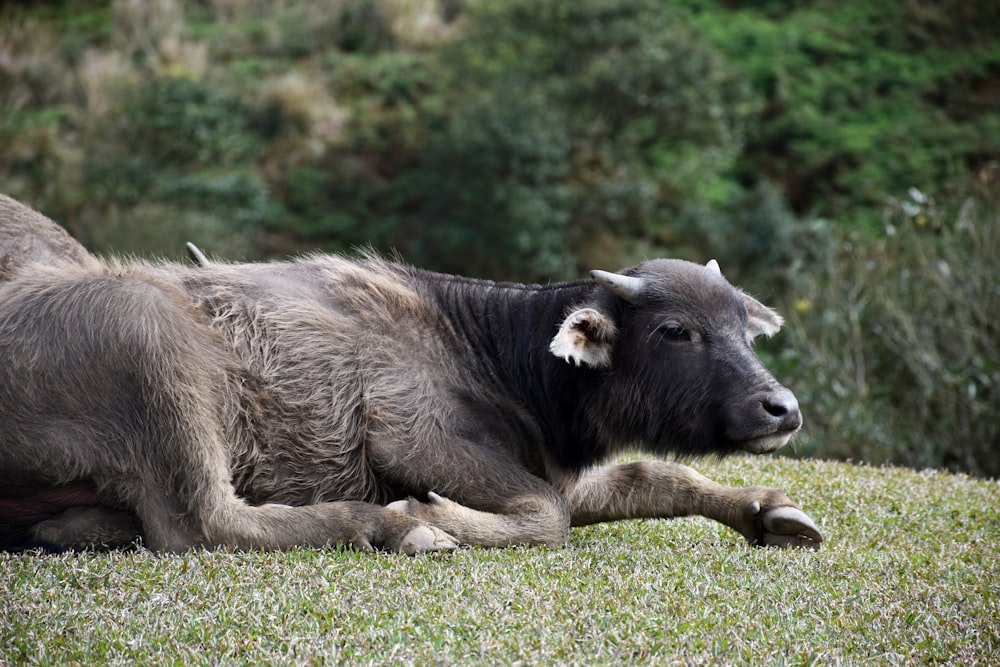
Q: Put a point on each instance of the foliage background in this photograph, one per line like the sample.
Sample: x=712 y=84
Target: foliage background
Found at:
x=840 y=159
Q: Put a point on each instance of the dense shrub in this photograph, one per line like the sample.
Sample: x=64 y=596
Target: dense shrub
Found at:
x=571 y=121
x=358 y=189
x=863 y=99
x=762 y=245
x=543 y=138
x=176 y=121
x=893 y=348
x=495 y=192
x=162 y=167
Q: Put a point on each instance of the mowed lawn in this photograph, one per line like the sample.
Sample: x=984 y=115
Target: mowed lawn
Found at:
x=910 y=574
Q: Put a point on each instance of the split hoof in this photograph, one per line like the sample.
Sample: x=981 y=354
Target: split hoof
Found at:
x=424 y=539
x=786 y=527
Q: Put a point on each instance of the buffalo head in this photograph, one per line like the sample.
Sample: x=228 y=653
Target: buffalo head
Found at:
x=671 y=345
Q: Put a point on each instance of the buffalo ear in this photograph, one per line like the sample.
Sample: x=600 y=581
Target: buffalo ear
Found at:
x=763 y=320
x=585 y=337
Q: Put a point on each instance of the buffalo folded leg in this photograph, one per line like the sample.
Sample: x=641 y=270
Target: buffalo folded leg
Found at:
x=484 y=498
x=658 y=489
x=525 y=520
x=357 y=524
x=89 y=527
x=229 y=522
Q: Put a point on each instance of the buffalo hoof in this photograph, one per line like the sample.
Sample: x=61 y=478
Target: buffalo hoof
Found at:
x=424 y=539
x=786 y=527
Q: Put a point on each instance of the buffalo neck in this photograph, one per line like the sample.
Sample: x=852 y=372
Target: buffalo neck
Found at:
x=504 y=330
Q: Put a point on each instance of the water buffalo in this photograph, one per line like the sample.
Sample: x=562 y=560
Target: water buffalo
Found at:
x=365 y=402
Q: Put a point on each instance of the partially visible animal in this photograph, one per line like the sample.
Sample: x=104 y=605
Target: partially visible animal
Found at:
x=364 y=402
x=28 y=237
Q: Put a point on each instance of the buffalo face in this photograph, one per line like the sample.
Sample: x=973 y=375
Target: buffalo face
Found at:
x=673 y=342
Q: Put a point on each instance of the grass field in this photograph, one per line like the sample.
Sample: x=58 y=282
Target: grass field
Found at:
x=910 y=574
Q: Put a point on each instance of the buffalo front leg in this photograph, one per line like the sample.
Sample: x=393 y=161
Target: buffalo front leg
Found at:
x=660 y=489
x=524 y=519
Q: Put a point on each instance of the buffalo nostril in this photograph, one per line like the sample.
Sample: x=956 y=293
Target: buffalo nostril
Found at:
x=783 y=406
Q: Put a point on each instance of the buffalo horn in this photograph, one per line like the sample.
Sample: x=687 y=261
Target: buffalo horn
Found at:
x=627 y=287
x=196 y=255
x=714 y=266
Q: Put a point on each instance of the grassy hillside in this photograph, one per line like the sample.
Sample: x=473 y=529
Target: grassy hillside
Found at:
x=909 y=574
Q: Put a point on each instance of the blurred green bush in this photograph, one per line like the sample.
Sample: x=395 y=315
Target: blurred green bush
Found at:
x=164 y=165
x=574 y=133
x=893 y=346
x=863 y=99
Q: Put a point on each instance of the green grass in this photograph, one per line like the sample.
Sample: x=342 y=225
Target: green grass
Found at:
x=910 y=574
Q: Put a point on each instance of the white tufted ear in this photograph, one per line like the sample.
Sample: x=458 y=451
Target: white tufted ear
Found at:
x=585 y=337
x=763 y=320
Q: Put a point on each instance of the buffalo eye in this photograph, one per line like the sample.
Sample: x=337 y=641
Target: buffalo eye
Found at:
x=674 y=332
x=677 y=333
